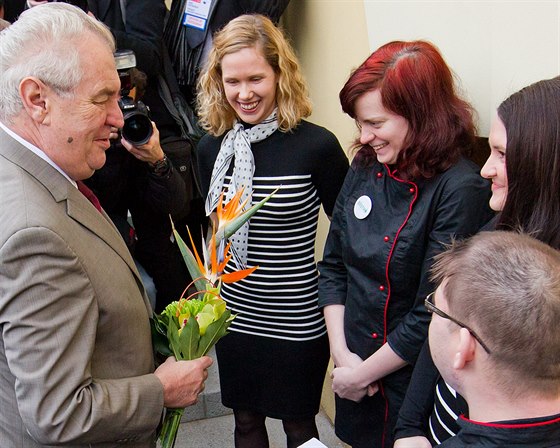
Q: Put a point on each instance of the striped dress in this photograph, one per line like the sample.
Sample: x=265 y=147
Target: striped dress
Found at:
x=278 y=325
x=279 y=300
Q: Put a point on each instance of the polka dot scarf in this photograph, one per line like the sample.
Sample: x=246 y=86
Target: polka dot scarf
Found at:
x=237 y=142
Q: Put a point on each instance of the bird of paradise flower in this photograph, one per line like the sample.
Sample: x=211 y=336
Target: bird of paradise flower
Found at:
x=189 y=328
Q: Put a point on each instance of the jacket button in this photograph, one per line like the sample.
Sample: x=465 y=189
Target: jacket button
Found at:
x=381 y=288
x=380 y=174
x=386 y=239
x=412 y=189
x=374 y=335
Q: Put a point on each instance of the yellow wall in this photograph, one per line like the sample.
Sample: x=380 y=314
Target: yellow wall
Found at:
x=330 y=38
x=495 y=47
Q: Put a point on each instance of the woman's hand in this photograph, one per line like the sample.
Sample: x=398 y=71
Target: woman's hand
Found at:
x=347 y=359
x=344 y=385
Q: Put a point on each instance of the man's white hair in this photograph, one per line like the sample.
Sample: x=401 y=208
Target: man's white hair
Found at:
x=43 y=43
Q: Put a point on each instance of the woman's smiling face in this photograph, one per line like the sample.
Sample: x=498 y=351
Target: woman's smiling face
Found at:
x=495 y=167
x=249 y=84
x=379 y=128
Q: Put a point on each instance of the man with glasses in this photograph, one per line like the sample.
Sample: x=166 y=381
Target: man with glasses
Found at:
x=494 y=337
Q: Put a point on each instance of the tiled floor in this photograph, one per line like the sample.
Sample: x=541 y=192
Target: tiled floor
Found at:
x=217 y=432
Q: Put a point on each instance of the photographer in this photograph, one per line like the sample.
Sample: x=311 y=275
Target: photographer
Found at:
x=141 y=180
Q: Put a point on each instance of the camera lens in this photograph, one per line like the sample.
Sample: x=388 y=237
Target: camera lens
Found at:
x=137 y=128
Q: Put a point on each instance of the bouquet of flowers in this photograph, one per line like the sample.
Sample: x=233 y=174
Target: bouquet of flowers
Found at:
x=189 y=328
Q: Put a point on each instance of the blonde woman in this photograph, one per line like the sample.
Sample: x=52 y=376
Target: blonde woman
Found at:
x=252 y=100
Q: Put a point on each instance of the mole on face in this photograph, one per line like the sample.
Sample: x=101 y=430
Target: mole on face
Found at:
x=70 y=140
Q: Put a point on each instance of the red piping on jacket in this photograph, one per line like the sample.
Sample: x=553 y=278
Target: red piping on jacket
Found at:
x=512 y=425
x=388 y=283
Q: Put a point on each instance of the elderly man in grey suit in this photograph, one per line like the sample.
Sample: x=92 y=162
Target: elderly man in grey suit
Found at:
x=76 y=363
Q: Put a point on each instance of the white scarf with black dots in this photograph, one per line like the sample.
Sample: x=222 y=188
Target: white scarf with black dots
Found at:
x=237 y=142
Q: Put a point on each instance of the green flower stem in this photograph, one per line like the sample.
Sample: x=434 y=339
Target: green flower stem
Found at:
x=168 y=432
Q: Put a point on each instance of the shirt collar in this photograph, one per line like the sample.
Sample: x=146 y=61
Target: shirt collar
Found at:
x=34 y=149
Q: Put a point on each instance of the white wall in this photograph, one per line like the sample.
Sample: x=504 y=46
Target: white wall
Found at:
x=495 y=47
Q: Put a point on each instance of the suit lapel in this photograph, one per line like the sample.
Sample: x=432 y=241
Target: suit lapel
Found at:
x=78 y=206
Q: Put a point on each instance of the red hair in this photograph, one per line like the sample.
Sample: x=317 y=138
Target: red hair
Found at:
x=415 y=83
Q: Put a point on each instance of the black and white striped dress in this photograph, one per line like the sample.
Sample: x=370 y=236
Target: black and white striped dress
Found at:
x=274 y=359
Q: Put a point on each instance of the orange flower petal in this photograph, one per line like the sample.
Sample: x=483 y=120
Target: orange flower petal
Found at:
x=213 y=255
x=199 y=262
x=219 y=208
x=237 y=275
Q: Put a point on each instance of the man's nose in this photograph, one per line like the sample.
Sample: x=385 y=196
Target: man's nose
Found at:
x=114 y=116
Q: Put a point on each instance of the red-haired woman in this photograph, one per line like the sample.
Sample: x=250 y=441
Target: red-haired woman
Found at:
x=408 y=193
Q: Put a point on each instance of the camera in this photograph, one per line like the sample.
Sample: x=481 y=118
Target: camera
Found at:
x=137 y=127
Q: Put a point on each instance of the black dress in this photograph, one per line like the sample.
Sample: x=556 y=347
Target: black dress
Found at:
x=274 y=359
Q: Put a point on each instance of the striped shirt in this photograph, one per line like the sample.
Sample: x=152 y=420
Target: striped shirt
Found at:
x=279 y=299
x=448 y=405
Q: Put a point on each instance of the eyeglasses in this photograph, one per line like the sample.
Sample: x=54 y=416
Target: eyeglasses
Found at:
x=429 y=304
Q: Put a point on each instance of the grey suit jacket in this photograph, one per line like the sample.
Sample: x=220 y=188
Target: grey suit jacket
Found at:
x=76 y=357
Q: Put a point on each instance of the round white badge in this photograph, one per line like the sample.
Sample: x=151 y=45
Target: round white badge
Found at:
x=362 y=207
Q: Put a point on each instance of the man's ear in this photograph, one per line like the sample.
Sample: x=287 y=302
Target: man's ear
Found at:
x=465 y=349
x=34 y=94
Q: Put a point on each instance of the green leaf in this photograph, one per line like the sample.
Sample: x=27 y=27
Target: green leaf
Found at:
x=190 y=260
x=235 y=224
x=205 y=317
x=173 y=338
x=159 y=338
x=189 y=340
x=214 y=332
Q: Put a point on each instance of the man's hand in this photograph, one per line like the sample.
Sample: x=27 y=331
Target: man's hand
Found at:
x=182 y=380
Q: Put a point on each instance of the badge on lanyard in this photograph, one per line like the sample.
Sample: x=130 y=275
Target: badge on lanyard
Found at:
x=196 y=14
x=362 y=207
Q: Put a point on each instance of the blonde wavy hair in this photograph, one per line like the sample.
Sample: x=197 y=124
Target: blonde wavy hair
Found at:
x=248 y=31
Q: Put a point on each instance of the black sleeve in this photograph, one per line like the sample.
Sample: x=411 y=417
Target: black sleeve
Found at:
x=333 y=276
x=330 y=171
x=207 y=151
x=168 y=192
x=419 y=399
x=459 y=213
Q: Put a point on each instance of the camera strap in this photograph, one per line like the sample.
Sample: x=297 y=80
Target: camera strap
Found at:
x=123 y=11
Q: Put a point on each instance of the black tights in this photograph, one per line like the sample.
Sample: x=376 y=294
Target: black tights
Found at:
x=250 y=430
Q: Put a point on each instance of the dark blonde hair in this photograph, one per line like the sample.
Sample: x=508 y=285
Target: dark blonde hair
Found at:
x=506 y=286
x=248 y=31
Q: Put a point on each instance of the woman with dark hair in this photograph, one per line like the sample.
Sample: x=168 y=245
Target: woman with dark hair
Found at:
x=524 y=167
x=409 y=192
x=529 y=122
